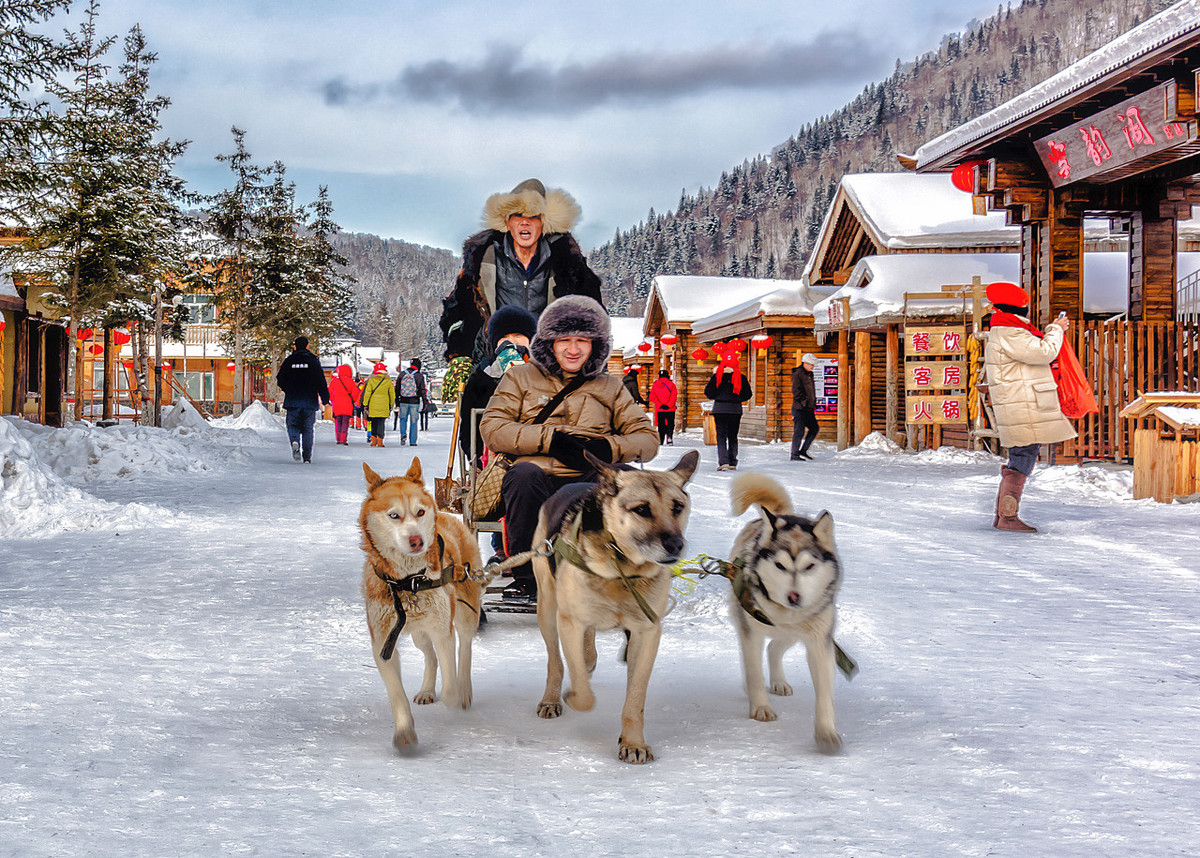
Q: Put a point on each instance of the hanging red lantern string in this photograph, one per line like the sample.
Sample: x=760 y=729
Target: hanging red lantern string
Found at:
x=668 y=339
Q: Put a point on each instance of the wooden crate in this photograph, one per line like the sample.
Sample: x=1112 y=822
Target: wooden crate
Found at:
x=1166 y=449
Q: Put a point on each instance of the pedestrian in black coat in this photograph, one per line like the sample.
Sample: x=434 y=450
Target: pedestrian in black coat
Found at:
x=804 y=408
x=728 y=389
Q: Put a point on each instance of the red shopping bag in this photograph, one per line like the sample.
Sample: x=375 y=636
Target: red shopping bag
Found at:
x=1075 y=396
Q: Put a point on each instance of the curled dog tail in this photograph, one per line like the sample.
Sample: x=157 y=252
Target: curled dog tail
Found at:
x=750 y=488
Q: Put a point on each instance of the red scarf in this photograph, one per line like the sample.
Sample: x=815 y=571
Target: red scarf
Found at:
x=1008 y=320
x=730 y=359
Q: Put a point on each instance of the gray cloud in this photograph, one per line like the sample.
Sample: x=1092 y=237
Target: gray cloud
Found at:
x=504 y=80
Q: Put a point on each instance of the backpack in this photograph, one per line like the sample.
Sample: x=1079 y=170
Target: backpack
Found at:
x=408 y=384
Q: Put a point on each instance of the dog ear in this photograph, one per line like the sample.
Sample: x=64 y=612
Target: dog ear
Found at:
x=823 y=530
x=769 y=521
x=373 y=479
x=686 y=466
x=414 y=472
x=600 y=465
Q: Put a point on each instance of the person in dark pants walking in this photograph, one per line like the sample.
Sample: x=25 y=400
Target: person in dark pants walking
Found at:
x=804 y=409
x=304 y=390
x=728 y=389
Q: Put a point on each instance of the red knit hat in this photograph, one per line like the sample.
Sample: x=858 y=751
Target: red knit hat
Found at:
x=1007 y=293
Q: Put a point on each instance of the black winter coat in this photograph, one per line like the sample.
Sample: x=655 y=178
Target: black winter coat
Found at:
x=725 y=401
x=804 y=392
x=466 y=310
x=302 y=380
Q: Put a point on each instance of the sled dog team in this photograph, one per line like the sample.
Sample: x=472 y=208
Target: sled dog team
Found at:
x=615 y=543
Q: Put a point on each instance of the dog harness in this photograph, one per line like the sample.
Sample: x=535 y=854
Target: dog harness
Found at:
x=566 y=547
x=416 y=583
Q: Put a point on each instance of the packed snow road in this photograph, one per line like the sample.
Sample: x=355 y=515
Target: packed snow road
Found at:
x=186 y=670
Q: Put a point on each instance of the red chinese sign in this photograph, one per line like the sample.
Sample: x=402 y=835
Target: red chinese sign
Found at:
x=934 y=375
x=1111 y=140
x=934 y=341
x=936 y=409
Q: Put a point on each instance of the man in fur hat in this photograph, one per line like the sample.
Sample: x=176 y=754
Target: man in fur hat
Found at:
x=525 y=257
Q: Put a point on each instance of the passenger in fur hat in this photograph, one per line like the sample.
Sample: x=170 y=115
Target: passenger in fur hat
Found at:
x=525 y=257
x=596 y=415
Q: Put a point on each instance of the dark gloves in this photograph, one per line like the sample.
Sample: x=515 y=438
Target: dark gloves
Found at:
x=569 y=450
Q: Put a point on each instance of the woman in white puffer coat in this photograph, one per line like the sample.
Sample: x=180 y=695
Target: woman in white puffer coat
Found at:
x=1023 y=392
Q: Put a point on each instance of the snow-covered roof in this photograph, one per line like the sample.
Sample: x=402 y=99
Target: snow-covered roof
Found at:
x=627 y=331
x=686 y=298
x=877 y=285
x=909 y=210
x=1159 y=36
x=793 y=300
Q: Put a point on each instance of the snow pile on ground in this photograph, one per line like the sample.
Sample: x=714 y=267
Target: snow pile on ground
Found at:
x=82 y=453
x=35 y=501
x=183 y=414
x=1088 y=483
x=255 y=416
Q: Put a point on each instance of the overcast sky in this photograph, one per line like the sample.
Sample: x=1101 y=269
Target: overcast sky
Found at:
x=413 y=113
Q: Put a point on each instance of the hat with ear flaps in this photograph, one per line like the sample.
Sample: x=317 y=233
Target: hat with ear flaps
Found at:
x=573 y=316
x=557 y=209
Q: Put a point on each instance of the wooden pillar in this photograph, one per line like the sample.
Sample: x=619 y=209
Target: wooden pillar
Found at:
x=844 y=404
x=893 y=381
x=1152 y=268
x=1060 y=263
x=862 y=385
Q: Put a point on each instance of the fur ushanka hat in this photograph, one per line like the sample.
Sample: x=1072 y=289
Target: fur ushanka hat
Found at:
x=573 y=316
x=557 y=209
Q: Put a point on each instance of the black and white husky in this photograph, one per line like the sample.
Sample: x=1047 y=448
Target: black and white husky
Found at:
x=784 y=590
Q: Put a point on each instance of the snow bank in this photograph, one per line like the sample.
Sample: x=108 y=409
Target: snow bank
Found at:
x=82 y=453
x=182 y=414
x=1088 y=483
x=255 y=416
x=34 y=501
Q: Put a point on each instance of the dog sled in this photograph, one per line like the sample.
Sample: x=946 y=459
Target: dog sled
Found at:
x=460 y=495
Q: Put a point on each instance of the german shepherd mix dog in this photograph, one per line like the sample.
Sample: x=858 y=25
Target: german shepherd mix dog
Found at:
x=414 y=581
x=785 y=591
x=614 y=543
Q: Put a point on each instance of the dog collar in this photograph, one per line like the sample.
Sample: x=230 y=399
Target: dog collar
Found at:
x=567 y=548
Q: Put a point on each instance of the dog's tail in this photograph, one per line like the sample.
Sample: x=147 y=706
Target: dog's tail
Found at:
x=751 y=488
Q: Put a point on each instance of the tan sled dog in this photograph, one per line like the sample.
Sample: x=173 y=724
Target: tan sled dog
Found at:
x=411 y=549
x=614 y=542
x=785 y=591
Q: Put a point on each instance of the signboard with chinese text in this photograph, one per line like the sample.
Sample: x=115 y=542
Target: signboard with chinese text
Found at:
x=1105 y=142
x=825 y=383
x=926 y=410
x=935 y=375
x=922 y=341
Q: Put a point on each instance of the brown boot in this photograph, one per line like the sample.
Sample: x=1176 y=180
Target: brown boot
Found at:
x=1008 y=502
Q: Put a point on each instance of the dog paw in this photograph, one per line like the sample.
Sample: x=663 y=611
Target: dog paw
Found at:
x=424 y=697
x=465 y=699
x=637 y=754
x=781 y=689
x=763 y=713
x=580 y=701
x=828 y=740
x=405 y=741
x=548 y=709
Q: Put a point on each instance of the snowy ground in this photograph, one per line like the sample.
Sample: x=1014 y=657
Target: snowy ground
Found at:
x=186 y=671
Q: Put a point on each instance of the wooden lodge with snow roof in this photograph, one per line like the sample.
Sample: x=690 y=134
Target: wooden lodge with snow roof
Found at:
x=1115 y=135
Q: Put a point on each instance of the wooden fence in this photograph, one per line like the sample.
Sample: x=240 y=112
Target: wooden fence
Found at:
x=1123 y=360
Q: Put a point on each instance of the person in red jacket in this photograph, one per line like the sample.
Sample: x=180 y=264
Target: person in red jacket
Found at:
x=345 y=398
x=663 y=396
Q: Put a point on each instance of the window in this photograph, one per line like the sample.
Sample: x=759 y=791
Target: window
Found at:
x=199 y=385
x=200 y=309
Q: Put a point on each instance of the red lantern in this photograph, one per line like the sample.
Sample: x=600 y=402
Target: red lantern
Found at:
x=701 y=355
x=644 y=347
x=738 y=345
x=2 y=324
x=762 y=342
x=96 y=349
x=84 y=333
x=231 y=366
x=128 y=364
x=718 y=349
x=963 y=176
x=166 y=364
x=668 y=339
x=120 y=337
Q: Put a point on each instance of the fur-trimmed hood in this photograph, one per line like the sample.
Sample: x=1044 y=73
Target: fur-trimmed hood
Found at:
x=557 y=209
x=573 y=315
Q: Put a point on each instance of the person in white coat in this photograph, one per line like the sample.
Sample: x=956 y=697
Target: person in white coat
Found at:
x=1024 y=394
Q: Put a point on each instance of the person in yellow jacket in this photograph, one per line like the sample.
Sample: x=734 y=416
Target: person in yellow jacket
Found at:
x=569 y=352
x=1024 y=394
x=378 y=397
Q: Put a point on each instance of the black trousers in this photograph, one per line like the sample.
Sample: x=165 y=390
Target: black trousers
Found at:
x=804 y=430
x=727 y=437
x=665 y=420
x=524 y=489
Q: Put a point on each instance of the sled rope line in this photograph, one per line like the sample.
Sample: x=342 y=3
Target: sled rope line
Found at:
x=707 y=565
